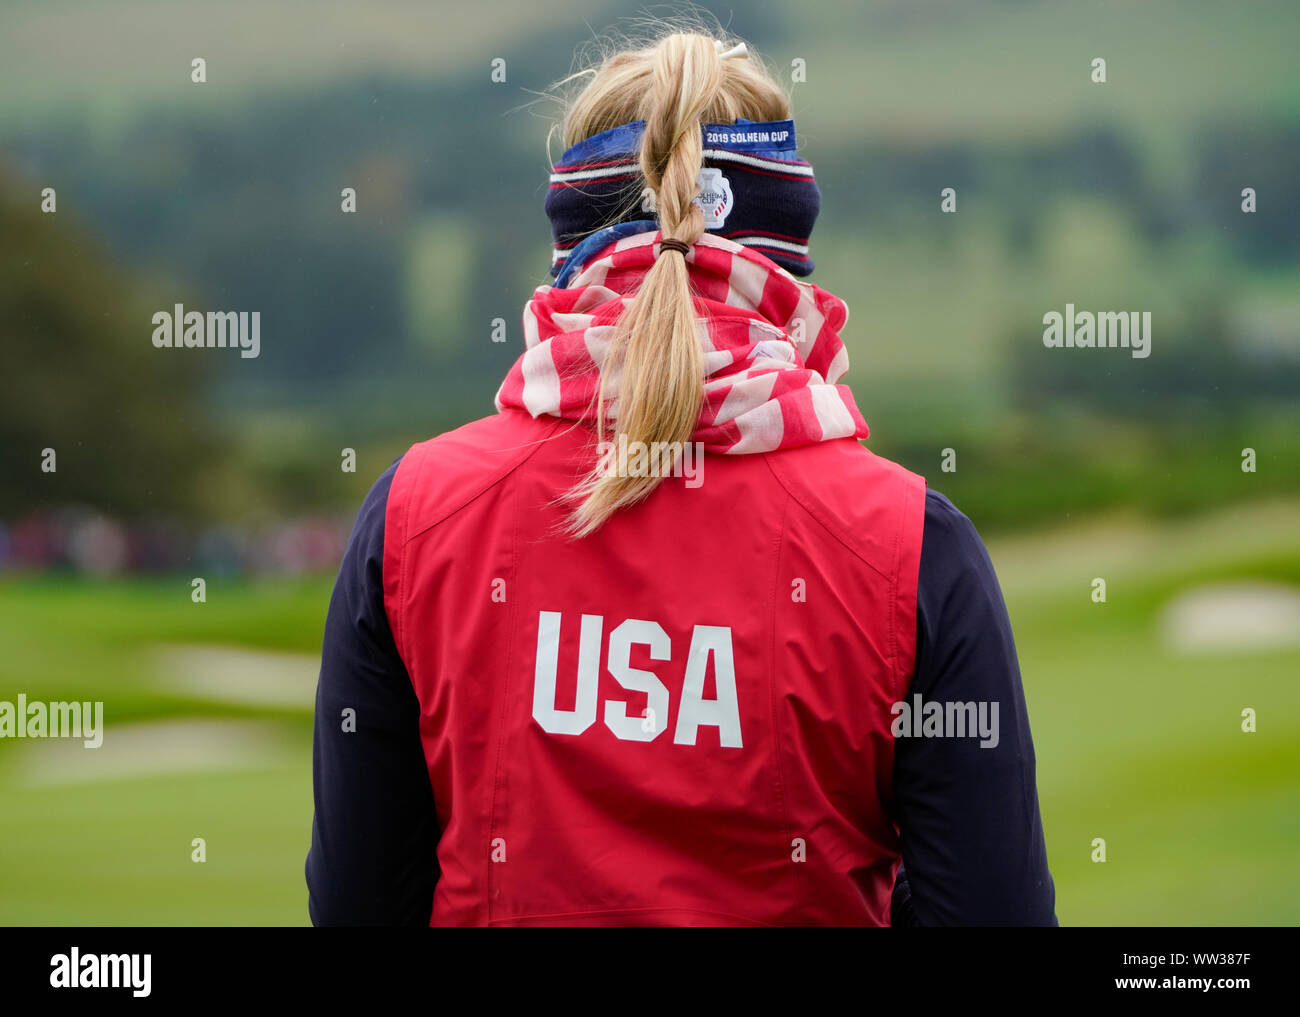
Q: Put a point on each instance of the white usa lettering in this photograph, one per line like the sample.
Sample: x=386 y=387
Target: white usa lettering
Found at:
x=694 y=710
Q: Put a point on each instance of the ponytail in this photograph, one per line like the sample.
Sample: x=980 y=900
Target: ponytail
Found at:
x=655 y=351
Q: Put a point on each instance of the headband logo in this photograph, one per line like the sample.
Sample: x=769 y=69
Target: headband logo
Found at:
x=714 y=198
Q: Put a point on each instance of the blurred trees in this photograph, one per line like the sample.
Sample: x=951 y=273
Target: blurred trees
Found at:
x=376 y=325
x=81 y=376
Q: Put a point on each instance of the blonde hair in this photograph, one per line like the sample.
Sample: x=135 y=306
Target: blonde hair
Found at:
x=675 y=84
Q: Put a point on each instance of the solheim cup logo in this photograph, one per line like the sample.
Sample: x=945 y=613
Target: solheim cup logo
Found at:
x=714 y=197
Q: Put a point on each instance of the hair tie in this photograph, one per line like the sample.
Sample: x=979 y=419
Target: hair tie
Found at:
x=673 y=244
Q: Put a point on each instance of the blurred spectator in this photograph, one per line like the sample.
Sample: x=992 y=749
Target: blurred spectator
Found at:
x=90 y=543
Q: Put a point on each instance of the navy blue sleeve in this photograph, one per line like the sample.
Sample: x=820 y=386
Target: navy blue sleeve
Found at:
x=972 y=838
x=375 y=833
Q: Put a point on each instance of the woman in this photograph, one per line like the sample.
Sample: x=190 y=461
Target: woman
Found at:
x=660 y=641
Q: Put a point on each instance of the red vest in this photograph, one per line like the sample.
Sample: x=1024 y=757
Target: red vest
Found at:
x=681 y=719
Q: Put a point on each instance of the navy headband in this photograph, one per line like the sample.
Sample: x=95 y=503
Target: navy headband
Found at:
x=754 y=190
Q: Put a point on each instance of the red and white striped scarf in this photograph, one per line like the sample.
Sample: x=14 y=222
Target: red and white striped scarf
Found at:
x=772 y=349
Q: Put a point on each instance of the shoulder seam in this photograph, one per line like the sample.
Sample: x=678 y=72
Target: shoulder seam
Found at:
x=481 y=489
x=896 y=568
x=824 y=523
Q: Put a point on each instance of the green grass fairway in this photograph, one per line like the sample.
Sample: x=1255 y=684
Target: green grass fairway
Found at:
x=1137 y=743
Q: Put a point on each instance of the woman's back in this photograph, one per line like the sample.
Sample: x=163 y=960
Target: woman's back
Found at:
x=612 y=732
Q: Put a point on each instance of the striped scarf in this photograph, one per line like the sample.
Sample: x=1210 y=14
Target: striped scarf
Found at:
x=771 y=344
